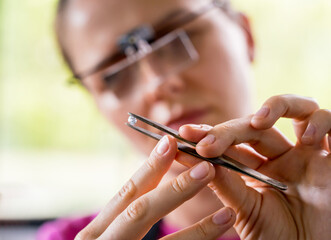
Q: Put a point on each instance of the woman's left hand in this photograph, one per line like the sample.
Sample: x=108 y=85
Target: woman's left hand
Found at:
x=301 y=212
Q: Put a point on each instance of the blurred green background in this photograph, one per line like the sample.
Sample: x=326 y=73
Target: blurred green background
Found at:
x=52 y=138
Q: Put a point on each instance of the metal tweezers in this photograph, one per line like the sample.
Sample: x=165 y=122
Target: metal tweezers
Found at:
x=223 y=160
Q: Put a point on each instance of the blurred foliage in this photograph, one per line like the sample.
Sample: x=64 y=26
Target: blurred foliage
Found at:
x=293 y=49
x=39 y=111
x=293 y=41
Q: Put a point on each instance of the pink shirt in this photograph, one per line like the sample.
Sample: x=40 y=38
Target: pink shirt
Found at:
x=166 y=230
x=68 y=228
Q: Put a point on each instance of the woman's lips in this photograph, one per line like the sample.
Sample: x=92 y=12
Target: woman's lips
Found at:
x=194 y=117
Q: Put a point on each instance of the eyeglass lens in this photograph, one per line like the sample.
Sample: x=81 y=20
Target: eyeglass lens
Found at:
x=170 y=55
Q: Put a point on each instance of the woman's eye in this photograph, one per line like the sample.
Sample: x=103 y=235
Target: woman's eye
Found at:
x=110 y=78
x=120 y=76
x=119 y=81
x=114 y=79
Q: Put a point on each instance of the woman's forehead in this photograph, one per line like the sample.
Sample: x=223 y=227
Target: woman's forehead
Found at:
x=125 y=14
x=96 y=25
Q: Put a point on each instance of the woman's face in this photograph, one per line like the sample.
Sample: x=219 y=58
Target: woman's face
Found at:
x=212 y=90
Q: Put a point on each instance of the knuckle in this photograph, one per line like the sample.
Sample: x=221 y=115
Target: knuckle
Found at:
x=323 y=113
x=277 y=101
x=314 y=102
x=283 y=103
x=230 y=131
x=224 y=129
x=201 y=230
x=277 y=98
x=137 y=210
x=180 y=184
x=280 y=103
x=151 y=163
x=128 y=191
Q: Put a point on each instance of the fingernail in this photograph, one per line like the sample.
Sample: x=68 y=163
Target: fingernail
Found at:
x=307 y=137
x=163 y=146
x=262 y=113
x=209 y=139
x=200 y=126
x=200 y=171
x=195 y=126
x=223 y=216
x=206 y=127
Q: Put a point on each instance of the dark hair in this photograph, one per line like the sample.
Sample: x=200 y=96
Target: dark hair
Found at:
x=61 y=5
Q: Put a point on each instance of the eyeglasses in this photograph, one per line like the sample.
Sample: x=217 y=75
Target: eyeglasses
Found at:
x=146 y=54
x=166 y=56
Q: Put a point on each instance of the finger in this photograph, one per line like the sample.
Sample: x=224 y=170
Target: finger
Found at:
x=145 y=179
x=139 y=216
x=210 y=227
x=241 y=197
x=246 y=155
x=241 y=153
x=232 y=190
x=193 y=132
x=318 y=127
x=289 y=106
x=269 y=143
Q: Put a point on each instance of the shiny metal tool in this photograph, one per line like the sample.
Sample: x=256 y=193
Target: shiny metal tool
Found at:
x=223 y=160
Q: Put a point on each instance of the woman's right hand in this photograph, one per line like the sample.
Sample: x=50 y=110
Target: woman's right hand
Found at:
x=141 y=202
x=303 y=211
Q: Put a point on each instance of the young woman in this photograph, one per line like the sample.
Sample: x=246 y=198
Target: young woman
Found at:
x=187 y=62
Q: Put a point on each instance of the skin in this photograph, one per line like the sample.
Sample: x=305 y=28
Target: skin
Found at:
x=222 y=72
x=301 y=212
x=221 y=80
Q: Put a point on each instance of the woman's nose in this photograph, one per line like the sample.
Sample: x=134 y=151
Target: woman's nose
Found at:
x=164 y=88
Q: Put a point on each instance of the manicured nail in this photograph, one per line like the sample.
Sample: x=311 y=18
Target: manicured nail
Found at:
x=222 y=217
x=200 y=171
x=206 y=127
x=262 y=113
x=195 y=126
x=209 y=139
x=162 y=146
x=308 y=136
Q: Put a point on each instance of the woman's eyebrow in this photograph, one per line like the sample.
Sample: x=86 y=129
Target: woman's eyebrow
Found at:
x=173 y=15
x=165 y=22
x=170 y=17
